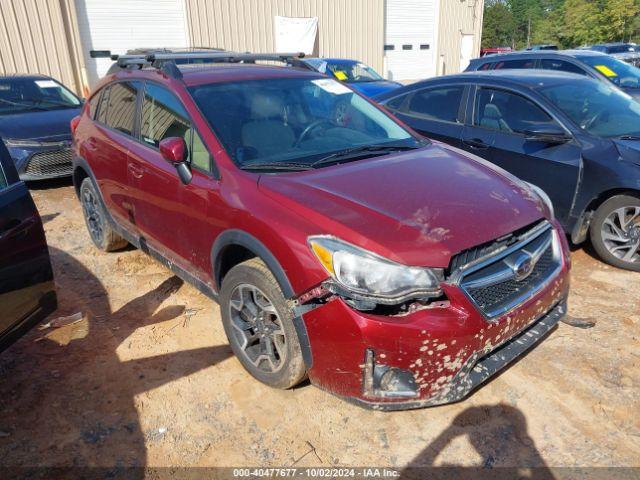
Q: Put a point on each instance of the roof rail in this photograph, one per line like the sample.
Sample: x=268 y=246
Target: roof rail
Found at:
x=166 y=62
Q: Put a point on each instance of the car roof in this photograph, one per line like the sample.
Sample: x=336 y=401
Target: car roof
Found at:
x=532 y=53
x=528 y=78
x=205 y=73
x=27 y=76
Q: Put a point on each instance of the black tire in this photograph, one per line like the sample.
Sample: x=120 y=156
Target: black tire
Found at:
x=95 y=218
x=244 y=282
x=598 y=227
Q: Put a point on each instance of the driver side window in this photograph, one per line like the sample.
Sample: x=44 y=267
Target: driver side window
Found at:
x=163 y=116
x=507 y=112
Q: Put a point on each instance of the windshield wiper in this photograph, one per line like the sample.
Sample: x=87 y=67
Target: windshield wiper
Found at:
x=26 y=106
x=628 y=137
x=278 y=166
x=355 y=153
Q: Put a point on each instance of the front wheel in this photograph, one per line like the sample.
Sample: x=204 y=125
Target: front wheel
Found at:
x=259 y=325
x=615 y=232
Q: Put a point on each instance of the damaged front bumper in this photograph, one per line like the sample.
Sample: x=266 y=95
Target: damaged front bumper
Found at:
x=478 y=369
x=434 y=355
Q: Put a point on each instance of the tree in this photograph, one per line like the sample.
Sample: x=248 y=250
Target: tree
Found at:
x=497 y=25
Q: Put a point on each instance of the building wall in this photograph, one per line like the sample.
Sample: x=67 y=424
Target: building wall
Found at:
x=457 y=17
x=36 y=37
x=346 y=28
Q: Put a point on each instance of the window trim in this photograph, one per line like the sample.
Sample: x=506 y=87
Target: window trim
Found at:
x=484 y=86
x=213 y=171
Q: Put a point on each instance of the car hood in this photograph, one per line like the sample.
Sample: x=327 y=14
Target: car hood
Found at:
x=52 y=124
x=417 y=208
x=371 y=89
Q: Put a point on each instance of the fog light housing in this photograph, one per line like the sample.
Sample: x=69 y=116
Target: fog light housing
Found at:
x=383 y=381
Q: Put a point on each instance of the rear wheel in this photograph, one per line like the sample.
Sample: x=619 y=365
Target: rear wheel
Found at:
x=103 y=236
x=259 y=325
x=615 y=232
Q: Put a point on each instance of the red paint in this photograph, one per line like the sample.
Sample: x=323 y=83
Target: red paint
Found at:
x=417 y=208
x=173 y=149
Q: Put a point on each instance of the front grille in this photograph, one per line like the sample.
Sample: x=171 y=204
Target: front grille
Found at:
x=501 y=282
x=50 y=163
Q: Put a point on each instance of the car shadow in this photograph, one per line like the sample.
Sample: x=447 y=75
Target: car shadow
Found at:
x=51 y=183
x=498 y=434
x=68 y=399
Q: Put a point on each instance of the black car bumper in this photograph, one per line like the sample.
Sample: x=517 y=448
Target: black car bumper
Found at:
x=40 y=163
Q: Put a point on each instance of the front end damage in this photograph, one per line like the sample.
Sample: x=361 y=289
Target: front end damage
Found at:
x=437 y=351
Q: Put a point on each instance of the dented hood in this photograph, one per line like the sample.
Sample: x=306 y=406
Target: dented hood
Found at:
x=417 y=208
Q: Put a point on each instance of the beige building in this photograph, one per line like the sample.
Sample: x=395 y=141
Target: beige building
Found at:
x=401 y=39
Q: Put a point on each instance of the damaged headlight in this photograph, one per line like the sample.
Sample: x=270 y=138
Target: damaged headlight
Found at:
x=371 y=276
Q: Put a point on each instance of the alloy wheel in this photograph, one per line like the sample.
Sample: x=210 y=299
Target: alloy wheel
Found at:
x=621 y=233
x=258 y=328
x=92 y=214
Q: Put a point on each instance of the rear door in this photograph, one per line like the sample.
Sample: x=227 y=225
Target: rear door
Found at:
x=436 y=112
x=108 y=146
x=27 y=291
x=505 y=115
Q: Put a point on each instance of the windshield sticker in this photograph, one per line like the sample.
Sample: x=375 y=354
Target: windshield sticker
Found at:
x=340 y=75
x=606 y=71
x=331 y=86
x=46 y=84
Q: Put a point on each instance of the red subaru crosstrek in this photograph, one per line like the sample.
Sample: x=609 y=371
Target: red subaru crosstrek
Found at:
x=391 y=270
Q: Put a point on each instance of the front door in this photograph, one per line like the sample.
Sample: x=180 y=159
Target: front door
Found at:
x=504 y=116
x=27 y=290
x=170 y=216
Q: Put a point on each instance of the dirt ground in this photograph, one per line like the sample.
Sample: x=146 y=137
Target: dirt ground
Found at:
x=144 y=376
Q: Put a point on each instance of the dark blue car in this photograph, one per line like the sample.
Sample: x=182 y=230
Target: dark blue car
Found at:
x=359 y=76
x=590 y=63
x=576 y=138
x=34 y=124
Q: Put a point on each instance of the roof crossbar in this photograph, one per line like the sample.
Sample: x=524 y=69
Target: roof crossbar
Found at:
x=166 y=62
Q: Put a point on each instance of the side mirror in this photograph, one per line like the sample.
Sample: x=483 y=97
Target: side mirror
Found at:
x=546 y=133
x=174 y=150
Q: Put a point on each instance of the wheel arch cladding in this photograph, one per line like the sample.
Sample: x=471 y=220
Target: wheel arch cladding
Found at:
x=235 y=246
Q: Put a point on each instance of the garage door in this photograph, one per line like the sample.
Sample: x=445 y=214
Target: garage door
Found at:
x=119 y=25
x=409 y=39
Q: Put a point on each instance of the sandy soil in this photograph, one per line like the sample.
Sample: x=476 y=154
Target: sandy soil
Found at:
x=145 y=377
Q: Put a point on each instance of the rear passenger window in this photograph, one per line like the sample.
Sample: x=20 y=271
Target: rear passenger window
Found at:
x=93 y=104
x=561 y=65
x=163 y=116
x=121 y=107
x=523 y=63
x=436 y=103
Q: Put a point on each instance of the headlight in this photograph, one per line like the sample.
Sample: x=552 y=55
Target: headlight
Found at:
x=367 y=274
x=543 y=196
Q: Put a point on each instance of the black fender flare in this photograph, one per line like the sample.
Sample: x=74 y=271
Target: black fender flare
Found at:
x=251 y=243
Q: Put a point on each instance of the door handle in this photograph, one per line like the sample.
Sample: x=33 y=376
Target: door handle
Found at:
x=135 y=170
x=475 y=143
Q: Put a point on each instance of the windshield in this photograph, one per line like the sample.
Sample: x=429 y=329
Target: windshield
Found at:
x=294 y=120
x=619 y=72
x=19 y=95
x=619 y=49
x=596 y=107
x=353 y=72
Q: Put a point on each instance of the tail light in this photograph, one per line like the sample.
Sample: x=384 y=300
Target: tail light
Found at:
x=74 y=124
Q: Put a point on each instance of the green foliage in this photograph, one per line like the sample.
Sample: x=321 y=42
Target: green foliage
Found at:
x=567 y=23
